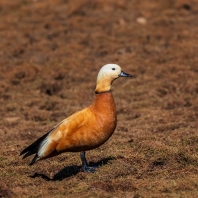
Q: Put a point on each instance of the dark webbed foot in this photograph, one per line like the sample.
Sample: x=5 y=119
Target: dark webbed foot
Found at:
x=85 y=167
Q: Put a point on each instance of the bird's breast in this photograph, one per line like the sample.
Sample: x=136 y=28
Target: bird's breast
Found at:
x=104 y=110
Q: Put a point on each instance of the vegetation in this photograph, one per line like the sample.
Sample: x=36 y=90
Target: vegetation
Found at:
x=50 y=54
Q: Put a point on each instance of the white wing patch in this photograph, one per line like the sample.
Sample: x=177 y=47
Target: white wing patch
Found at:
x=43 y=146
x=46 y=142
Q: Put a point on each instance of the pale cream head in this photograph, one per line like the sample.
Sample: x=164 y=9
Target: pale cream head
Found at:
x=106 y=76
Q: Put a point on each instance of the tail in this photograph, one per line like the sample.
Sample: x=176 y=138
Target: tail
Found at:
x=34 y=148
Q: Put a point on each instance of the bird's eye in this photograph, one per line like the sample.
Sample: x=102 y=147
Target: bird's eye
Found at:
x=113 y=68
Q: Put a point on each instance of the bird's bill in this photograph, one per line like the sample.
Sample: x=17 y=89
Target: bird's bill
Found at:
x=123 y=74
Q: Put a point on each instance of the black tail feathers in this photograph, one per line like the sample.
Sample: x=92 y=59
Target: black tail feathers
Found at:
x=33 y=160
x=34 y=148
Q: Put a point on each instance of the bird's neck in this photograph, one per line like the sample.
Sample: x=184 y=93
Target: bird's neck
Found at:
x=103 y=86
x=104 y=102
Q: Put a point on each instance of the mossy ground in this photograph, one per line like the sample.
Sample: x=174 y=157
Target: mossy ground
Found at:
x=50 y=54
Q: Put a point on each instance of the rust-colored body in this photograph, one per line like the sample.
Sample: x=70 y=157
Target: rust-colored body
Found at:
x=86 y=129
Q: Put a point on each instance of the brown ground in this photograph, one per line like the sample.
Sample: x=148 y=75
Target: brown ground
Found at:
x=50 y=54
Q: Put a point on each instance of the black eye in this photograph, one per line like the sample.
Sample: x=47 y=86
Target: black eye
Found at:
x=113 y=68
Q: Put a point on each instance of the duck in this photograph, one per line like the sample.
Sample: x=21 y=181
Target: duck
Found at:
x=86 y=129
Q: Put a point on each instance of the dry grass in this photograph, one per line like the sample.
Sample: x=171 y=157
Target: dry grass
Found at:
x=50 y=53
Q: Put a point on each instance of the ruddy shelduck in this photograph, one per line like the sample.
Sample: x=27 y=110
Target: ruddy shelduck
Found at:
x=86 y=129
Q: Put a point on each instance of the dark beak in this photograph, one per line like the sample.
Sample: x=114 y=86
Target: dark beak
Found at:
x=123 y=74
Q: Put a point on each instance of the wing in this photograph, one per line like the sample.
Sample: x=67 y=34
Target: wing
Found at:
x=63 y=136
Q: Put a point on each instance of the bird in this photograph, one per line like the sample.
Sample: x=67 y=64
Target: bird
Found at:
x=86 y=129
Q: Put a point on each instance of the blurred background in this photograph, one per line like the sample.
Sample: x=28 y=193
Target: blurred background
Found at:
x=50 y=54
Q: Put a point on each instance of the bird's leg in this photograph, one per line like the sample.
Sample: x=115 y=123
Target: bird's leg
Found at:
x=85 y=166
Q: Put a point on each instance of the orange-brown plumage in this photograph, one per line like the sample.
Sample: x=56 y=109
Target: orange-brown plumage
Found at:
x=86 y=129
x=89 y=128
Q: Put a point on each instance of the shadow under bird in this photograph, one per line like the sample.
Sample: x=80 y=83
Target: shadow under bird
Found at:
x=86 y=129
